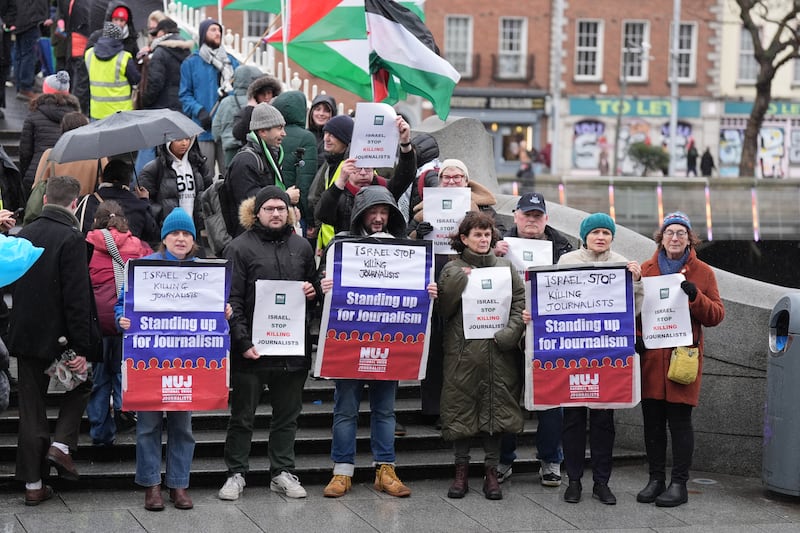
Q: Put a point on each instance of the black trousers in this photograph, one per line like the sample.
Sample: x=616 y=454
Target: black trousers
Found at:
x=33 y=439
x=601 y=442
x=657 y=415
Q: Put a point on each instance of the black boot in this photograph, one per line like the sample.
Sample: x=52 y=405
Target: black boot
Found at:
x=460 y=484
x=651 y=491
x=674 y=496
x=604 y=494
x=573 y=492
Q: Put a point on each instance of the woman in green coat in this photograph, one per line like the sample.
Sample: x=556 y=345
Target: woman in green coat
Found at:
x=481 y=390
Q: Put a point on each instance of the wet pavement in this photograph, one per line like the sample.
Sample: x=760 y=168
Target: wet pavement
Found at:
x=717 y=503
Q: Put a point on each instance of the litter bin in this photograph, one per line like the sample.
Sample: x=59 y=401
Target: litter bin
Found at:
x=781 y=462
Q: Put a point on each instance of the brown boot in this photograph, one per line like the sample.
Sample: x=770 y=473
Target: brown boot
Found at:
x=460 y=484
x=491 y=487
x=152 y=498
x=181 y=498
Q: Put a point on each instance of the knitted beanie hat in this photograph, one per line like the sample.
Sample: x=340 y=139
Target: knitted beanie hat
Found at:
x=454 y=163
x=595 y=221
x=177 y=220
x=57 y=83
x=112 y=30
x=341 y=127
x=265 y=116
x=676 y=218
x=268 y=193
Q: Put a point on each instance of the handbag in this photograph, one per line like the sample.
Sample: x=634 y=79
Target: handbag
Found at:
x=683 y=364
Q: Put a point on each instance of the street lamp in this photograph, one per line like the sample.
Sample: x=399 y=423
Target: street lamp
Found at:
x=630 y=48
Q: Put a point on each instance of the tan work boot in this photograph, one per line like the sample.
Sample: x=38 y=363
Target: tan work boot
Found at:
x=337 y=486
x=386 y=480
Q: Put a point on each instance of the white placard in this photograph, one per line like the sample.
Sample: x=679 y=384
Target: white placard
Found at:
x=486 y=302
x=525 y=253
x=383 y=266
x=279 y=318
x=375 y=135
x=666 y=322
x=444 y=208
x=580 y=291
x=185 y=288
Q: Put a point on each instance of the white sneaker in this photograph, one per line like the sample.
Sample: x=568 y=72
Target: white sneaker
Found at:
x=286 y=483
x=550 y=474
x=232 y=488
x=503 y=472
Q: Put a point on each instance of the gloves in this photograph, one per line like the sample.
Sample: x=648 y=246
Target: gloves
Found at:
x=640 y=345
x=205 y=119
x=423 y=229
x=690 y=289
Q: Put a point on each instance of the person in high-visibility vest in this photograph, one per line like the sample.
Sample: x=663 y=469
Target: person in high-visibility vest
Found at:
x=112 y=74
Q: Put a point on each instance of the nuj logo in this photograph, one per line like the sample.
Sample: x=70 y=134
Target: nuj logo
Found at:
x=374 y=353
x=583 y=379
x=176 y=382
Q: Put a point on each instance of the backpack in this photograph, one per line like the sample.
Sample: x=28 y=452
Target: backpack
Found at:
x=138 y=92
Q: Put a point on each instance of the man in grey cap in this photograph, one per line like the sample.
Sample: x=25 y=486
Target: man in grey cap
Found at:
x=530 y=222
x=258 y=162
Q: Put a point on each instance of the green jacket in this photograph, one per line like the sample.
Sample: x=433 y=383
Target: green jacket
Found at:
x=292 y=105
x=482 y=384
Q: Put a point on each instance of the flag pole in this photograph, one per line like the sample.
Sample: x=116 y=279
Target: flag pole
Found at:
x=261 y=40
x=285 y=6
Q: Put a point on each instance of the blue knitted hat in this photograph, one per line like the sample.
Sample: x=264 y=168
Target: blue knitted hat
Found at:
x=178 y=220
x=597 y=220
x=677 y=218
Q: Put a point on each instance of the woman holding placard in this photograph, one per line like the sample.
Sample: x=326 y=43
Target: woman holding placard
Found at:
x=177 y=244
x=597 y=232
x=664 y=401
x=481 y=299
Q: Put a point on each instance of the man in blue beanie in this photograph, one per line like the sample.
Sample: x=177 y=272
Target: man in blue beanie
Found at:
x=206 y=77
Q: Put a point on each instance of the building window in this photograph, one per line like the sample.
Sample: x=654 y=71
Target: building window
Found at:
x=458 y=43
x=588 y=50
x=748 y=67
x=635 y=51
x=511 y=59
x=255 y=24
x=686 y=53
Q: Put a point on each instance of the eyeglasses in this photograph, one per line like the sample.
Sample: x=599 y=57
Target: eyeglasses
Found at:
x=680 y=234
x=455 y=178
x=279 y=209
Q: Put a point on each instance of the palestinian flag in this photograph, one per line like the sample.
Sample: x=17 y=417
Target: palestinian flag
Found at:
x=403 y=57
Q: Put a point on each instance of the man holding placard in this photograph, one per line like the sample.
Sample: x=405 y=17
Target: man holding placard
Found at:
x=274 y=276
x=359 y=357
x=532 y=242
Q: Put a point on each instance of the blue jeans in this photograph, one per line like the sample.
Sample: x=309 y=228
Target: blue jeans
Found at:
x=25 y=59
x=107 y=379
x=180 y=448
x=548 y=439
x=346 y=398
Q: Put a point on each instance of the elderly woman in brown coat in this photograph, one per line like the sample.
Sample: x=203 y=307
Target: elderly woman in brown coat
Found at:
x=665 y=402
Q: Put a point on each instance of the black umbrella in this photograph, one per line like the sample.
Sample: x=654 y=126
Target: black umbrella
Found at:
x=123 y=132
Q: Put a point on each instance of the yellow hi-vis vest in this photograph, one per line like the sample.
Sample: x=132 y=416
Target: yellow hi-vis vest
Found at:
x=108 y=86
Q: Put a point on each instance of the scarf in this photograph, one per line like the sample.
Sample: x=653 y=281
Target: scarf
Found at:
x=218 y=58
x=671 y=266
x=275 y=167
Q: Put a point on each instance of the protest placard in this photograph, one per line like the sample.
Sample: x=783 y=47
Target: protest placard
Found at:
x=279 y=326
x=376 y=319
x=666 y=322
x=445 y=207
x=486 y=302
x=580 y=344
x=375 y=135
x=526 y=253
x=175 y=354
